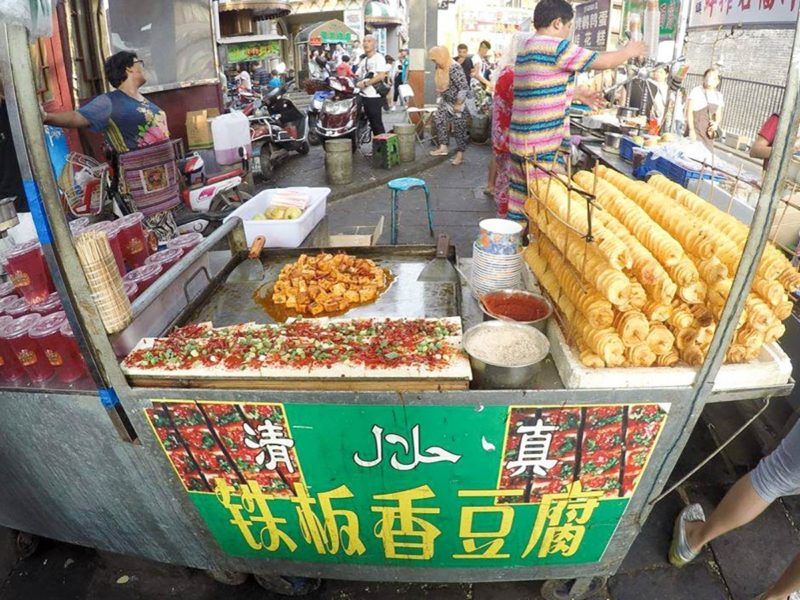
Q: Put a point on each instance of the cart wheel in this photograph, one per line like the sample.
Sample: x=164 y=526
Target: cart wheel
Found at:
x=573 y=589
x=304 y=148
x=283 y=585
x=227 y=577
x=26 y=543
x=265 y=162
x=313 y=136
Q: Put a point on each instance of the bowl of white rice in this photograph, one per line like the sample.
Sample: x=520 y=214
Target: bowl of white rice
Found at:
x=505 y=355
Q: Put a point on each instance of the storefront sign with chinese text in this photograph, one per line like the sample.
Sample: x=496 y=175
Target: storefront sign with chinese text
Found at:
x=592 y=23
x=414 y=485
x=716 y=13
x=253 y=51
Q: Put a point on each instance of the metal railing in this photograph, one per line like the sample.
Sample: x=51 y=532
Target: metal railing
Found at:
x=747 y=103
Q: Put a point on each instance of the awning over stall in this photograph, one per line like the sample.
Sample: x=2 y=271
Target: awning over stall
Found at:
x=330 y=32
x=379 y=14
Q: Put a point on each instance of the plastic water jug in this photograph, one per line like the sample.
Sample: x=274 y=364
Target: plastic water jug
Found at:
x=230 y=132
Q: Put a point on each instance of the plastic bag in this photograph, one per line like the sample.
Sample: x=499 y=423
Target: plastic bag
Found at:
x=35 y=15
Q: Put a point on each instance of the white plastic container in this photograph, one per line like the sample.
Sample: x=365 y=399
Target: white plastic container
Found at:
x=230 y=132
x=279 y=233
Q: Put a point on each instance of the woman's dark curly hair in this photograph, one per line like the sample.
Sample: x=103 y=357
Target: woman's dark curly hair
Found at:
x=116 y=67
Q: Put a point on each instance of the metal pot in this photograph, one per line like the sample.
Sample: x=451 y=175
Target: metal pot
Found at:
x=8 y=214
x=490 y=376
x=612 y=141
x=541 y=324
x=627 y=112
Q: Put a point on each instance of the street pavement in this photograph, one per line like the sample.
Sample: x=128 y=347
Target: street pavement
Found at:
x=736 y=567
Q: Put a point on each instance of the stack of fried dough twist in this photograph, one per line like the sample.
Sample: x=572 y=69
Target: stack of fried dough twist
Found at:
x=648 y=286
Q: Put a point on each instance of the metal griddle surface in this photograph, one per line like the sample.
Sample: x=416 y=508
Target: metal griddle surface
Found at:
x=233 y=303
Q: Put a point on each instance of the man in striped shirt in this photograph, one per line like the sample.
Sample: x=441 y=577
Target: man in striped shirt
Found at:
x=544 y=86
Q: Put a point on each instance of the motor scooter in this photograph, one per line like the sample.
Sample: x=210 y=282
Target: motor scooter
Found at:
x=283 y=130
x=313 y=110
x=343 y=115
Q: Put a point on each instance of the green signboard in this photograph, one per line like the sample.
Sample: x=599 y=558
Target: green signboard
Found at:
x=425 y=486
x=670 y=14
x=253 y=51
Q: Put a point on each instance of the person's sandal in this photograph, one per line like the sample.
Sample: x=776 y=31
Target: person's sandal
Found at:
x=679 y=552
x=456 y=161
x=438 y=152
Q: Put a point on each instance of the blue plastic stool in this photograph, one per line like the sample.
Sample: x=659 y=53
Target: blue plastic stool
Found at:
x=403 y=184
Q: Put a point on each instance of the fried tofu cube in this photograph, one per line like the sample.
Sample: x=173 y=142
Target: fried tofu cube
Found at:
x=279 y=286
x=366 y=294
x=279 y=298
x=302 y=288
x=307 y=274
x=313 y=290
x=303 y=298
x=302 y=308
x=291 y=301
x=325 y=285
x=339 y=289
x=344 y=304
x=331 y=304
x=315 y=308
x=364 y=280
x=352 y=297
x=322 y=296
x=296 y=282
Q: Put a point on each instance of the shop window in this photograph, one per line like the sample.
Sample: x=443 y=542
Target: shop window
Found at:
x=174 y=39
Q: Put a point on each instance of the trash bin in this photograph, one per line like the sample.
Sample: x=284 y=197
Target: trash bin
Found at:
x=339 y=161
x=405 y=133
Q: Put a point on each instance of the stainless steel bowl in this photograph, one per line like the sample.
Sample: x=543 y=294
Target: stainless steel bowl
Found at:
x=627 y=112
x=540 y=324
x=612 y=140
x=491 y=376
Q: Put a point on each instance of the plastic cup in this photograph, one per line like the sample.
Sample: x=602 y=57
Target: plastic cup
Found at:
x=144 y=276
x=27 y=350
x=74 y=366
x=28 y=270
x=7 y=289
x=49 y=306
x=185 y=242
x=166 y=258
x=131 y=289
x=112 y=232
x=77 y=225
x=133 y=240
x=10 y=369
x=17 y=308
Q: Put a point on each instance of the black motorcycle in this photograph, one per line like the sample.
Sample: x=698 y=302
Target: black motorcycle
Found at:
x=283 y=130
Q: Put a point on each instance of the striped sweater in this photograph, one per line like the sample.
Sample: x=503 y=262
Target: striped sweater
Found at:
x=544 y=78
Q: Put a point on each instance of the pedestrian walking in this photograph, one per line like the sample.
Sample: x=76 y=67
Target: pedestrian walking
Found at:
x=372 y=82
x=500 y=166
x=401 y=76
x=452 y=87
x=704 y=109
x=543 y=91
x=392 y=66
x=775 y=476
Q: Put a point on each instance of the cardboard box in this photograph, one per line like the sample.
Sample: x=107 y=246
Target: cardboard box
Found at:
x=198 y=128
x=360 y=235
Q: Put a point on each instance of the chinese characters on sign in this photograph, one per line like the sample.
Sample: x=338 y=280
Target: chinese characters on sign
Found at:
x=429 y=486
x=592 y=24
x=715 y=13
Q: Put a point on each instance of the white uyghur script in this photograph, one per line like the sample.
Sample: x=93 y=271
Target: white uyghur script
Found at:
x=432 y=454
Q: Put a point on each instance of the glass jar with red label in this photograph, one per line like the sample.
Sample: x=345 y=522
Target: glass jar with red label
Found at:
x=17 y=308
x=28 y=352
x=49 y=306
x=144 y=276
x=112 y=233
x=186 y=241
x=133 y=240
x=74 y=366
x=77 y=225
x=29 y=273
x=10 y=369
x=166 y=258
x=7 y=289
x=8 y=301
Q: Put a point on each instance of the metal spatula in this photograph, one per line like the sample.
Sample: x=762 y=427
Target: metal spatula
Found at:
x=251 y=268
x=440 y=269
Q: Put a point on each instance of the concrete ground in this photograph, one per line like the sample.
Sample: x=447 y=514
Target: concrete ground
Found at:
x=736 y=567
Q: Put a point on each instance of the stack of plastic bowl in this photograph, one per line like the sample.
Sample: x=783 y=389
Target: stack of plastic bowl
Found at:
x=497 y=256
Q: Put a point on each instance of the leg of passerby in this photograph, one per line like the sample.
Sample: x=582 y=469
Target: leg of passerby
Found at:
x=441 y=134
x=503 y=162
x=373 y=107
x=459 y=122
x=490 y=185
x=776 y=475
x=787 y=585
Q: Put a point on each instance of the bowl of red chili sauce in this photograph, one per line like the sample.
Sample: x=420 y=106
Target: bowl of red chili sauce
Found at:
x=517 y=306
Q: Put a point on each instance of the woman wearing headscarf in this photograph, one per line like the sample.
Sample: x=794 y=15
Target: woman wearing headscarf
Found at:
x=452 y=86
x=502 y=101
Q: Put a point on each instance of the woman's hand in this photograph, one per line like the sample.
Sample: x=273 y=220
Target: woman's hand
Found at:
x=592 y=99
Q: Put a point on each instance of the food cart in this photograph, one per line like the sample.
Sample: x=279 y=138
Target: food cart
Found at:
x=319 y=478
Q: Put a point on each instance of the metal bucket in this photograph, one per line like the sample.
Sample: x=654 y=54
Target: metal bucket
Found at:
x=339 y=161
